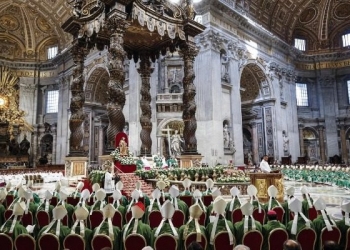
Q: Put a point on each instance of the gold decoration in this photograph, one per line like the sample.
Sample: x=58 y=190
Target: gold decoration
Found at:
x=9 y=101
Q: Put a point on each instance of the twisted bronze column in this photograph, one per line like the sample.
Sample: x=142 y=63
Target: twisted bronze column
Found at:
x=188 y=53
x=145 y=72
x=116 y=95
x=77 y=101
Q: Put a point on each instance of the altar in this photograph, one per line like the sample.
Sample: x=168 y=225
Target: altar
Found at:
x=262 y=181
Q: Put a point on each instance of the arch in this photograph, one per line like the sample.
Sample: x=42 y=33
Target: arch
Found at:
x=310 y=133
x=162 y=133
x=46 y=145
x=97 y=80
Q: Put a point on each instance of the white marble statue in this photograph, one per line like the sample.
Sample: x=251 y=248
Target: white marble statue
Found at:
x=226 y=137
x=176 y=144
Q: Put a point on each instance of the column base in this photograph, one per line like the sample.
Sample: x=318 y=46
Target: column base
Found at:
x=76 y=166
x=189 y=161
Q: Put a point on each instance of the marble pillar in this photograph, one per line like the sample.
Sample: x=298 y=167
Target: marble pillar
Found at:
x=344 y=150
x=301 y=140
x=322 y=145
x=256 y=159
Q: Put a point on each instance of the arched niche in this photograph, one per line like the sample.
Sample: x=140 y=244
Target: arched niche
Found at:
x=311 y=144
x=166 y=129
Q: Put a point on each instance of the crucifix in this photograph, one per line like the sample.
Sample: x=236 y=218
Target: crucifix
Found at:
x=168 y=133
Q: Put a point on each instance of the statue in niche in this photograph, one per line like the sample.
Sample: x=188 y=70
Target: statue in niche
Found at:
x=225 y=76
x=13 y=147
x=24 y=146
x=123 y=147
x=227 y=137
x=285 y=141
x=176 y=144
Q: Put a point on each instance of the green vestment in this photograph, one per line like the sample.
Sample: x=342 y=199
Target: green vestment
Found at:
x=116 y=232
x=166 y=229
x=64 y=231
x=221 y=227
x=17 y=230
x=142 y=229
x=267 y=228
x=239 y=229
x=185 y=230
x=343 y=230
x=301 y=224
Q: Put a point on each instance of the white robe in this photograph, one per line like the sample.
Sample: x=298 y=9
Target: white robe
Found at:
x=265 y=167
x=109 y=183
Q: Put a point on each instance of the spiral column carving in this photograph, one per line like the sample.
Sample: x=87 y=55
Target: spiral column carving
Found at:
x=188 y=53
x=116 y=97
x=145 y=70
x=77 y=102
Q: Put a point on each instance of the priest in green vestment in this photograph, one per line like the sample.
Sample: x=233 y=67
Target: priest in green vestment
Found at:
x=84 y=196
x=290 y=195
x=142 y=195
x=219 y=224
x=344 y=224
x=100 y=200
x=178 y=204
x=300 y=221
x=197 y=196
x=234 y=204
x=117 y=198
x=106 y=227
x=187 y=185
x=210 y=185
x=273 y=202
x=77 y=191
x=307 y=200
x=56 y=227
x=123 y=201
x=248 y=223
x=166 y=225
x=271 y=224
x=3 y=193
x=79 y=226
x=154 y=205
x=210 y=212
x=45 y=206
x=63 y=194
x=136 y=226
x=12 y=226
x=192 y=226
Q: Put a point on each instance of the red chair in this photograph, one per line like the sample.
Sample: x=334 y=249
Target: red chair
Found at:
x=326 y=235
x=347 y=242
x=9 y=199
x=165 y=241
x=154 y=218
x=276 y=238
x=54 y=201
x=6 y=242
x=74 y=241
x=101 y=241
x=95 y=218
x=7 y=214
x=178 y=218
x=207 y=199
x=193 y=237
x=222 y=241
x=187 y=199
x=280 y=213
x=25 y=242
x=236 y=215
x=259 y=216
x=202 y=219
x=73 y=201
x=312 y=213
x=109 y=200
x=27 y=219
x=43 y=218
x=307 y=238
x=49 y=241
x=65 y=220
x=134 y=242
x=118 y=219
x=253 y=239
x=128 y=216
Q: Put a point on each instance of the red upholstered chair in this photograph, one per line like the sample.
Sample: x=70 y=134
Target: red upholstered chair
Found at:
x=74 y=241
x=43 y=218
x=326 y=235
x=253 y=239
x=236 y=215
x=65 y=220
x=347 y=242
x=6 y=242
x=134 y=242
x=193 y=237
x=91 y=202
x=27 y=219
x=187 y=199
x=207 y=199
x=222 y=241
x=307 y=238
x=178 y=218
x=128 y=216
x=49 y=241
x=7 y=214
x=118 y=219
x=259 y=216
x=9 y=199
x=276 y=238
x=202 y=219
x=101 y=241
x=73 y=201
x=25 y=242
x=110 y=199
x=280 y=213
x=54 y=201
x=95 y=218
x=165 y=241
x=154 y=218
x=312 y=213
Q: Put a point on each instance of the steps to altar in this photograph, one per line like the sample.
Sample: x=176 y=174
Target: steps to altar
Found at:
x=129 y=181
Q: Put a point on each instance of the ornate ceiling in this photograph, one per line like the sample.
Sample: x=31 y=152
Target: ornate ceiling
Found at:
x=27 y=26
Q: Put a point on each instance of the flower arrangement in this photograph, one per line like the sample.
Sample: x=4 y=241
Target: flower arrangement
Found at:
x=97 y=176
x=164 y=178
x=124 y=160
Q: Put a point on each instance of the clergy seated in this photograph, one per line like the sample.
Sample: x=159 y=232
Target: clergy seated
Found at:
x=77 y=191
x=307 y=201
x=136 y=226
x=247 y=223
x=271 y=224
x=19 y=196
x=300 y=221
x=287 y=213
x=56 y=227
x=273 y=202
x=106 y=227
x=100 y=200
x=154 y=206
x=197 y=196
x=344 y=224
x=178 y=204
x=3 y=193
x=210 y=185
x=79 y=227
x=192 y=226
x=119 y=186
x=63 y=194
x=187 y=185
x=84 y=197
x=234 y=204
x=12 y=226
x=119 y=216
x=145 y=197
x=220 y=224
x=215 y=193
x=166 y=225
x=45 y=206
